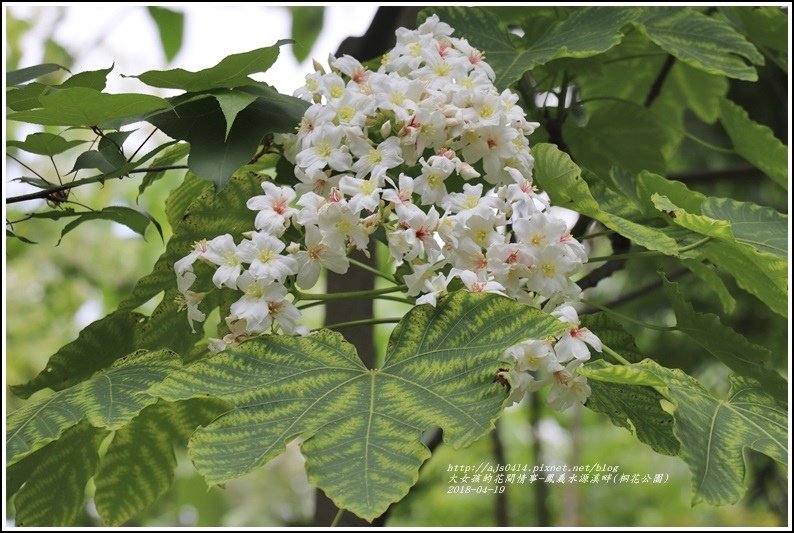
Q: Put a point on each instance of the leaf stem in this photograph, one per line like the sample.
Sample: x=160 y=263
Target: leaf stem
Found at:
x=627 y=318
x=371 y=270
x=349 y=295
x=378 y=297
x=337 y=518
x=44 y=193
x=622 y=360
x=362 y=322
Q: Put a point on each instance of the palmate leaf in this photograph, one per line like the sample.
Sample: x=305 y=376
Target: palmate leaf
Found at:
x=218 y=147
x=763 y=228
x=704 y=42
x=108 y=400
x=361 y=427
x=731 y=348
x=54 y=492
x=622 y=134
x=16 y=77
x=561 y=178
x=231 y=71
x=44 y=143
x=171 y=27
x=110 y=338
x=755 y=142
x=636 y=408
x=197 y=212
x=586 y=32
x=85 y=107
x=139 y=464
x=713 y=432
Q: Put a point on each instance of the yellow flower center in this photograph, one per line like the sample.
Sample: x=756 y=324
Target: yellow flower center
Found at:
x=265 y=256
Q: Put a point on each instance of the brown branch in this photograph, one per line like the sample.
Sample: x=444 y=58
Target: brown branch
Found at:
x=656 y=88
x=45 y=193
x=500 y=503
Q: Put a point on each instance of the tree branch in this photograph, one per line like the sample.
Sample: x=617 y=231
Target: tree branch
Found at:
x=656 y=88
x=46 y=193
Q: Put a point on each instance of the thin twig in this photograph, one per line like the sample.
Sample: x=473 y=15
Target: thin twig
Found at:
x=656 y=88
x=44 y=193
x=146 y=140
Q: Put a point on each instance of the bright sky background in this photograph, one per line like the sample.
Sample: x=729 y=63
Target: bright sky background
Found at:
x=100 y=34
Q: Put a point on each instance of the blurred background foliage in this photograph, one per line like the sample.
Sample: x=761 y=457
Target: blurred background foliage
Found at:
x=54 y=291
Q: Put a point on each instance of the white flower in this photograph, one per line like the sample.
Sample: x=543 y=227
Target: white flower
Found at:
x=365 y=194
x=223 y=252
x=375 y=160
x=532 y=355
x=326 y=150
x=403 y=193
x=475 y=283
x=520 y=382
x=436 y=287
x=274 y=210
x=568 y=389
x=573 y=342
x=430 y=183
x=185 y=264
x=339 y=224
x=317 y=255
x=254 y=306
x=262 y=252
x=416 y=281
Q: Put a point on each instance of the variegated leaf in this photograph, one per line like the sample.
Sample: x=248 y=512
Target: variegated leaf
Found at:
x=361 y=427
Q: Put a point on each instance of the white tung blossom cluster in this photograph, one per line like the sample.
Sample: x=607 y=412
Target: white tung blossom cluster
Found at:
x=426 y=149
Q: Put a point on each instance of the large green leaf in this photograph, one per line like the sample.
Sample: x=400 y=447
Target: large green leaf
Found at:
x=92 y=79
x=763 y=228
x=708 y=275
x=231 y=103
x=16 y=77
x=704 y=42
x=562 y=180
x=713 y=432
x=636 y=408
x=231 y=71
x=586 y=32
x=139 y=464
x=85 y=107
x=766 y=27
x=171 y=27
x=361 y=427
x=44 y=143
x=54 y=493
x=755 y=142
x=196 y=212
x=109 y=400
x=620 y=134
x=307 y=23
x=733 y=349
x=216 y=155
x=762 y=274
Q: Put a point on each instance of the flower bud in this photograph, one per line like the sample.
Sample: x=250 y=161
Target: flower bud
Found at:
x=385 y=129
